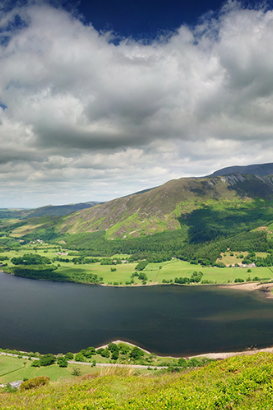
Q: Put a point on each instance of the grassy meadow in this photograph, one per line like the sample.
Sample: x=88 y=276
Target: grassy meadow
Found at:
x=238 y=383
x=13 y=368
x=157 y=273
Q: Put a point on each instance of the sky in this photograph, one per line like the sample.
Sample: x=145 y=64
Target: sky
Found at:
x=100 y=99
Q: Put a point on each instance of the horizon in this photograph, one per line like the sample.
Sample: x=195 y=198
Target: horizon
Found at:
x=100 y=100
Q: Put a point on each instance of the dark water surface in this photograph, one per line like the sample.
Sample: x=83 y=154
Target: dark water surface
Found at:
x=60 y=317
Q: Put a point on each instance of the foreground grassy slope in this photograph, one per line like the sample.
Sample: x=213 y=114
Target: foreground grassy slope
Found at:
x=236 y=383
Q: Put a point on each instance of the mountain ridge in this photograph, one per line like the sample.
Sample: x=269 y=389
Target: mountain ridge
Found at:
x=159 y=209
x=255 y=169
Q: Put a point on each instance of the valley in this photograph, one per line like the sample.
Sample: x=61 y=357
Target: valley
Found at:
x=205 y=241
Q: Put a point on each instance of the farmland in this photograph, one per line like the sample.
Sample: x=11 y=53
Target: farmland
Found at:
x=123 y=273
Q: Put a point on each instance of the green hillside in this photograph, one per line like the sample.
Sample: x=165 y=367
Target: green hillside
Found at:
x=237 y=383
x=194 y=219
x=163 y=208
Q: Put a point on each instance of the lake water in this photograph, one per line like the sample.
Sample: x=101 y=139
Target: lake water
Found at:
x=60 y=317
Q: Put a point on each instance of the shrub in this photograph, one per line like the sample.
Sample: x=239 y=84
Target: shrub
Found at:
x=123 y=348
x=69 y=356
x=79 y=357
x=62 y=362
x=91 y=349
x=136 y=353
x=143 y=276
x=113 y=347
x=115 y=355
x=33 y=383
x=105 y=353
x=141 y=265
x=76 y=371
x=47 y=359
x=36 y=363
x=239 y=280
x=182 y=362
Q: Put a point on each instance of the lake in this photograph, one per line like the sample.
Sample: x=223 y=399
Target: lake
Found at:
x=176 y=320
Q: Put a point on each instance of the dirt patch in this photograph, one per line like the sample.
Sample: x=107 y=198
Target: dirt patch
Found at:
x=262 y=287
x=226 y=355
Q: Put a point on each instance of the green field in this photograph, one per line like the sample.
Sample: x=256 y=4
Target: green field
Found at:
x=19 y=367
x=156 y=272
x=12 y=368
x=177 y=268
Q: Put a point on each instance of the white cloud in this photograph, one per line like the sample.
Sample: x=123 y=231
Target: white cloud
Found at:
x=112 y=119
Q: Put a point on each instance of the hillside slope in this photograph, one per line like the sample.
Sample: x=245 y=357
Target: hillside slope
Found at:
x=237 y=383
x=161 y=208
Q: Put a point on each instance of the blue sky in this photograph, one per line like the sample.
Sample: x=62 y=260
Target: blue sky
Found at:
x=144 y=18
x=104 y=98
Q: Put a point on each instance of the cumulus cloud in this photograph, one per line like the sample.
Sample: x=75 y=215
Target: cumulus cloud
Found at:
x=85 y=117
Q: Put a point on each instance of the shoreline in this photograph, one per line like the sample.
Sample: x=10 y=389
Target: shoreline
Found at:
x=266 y=288
x=226 y=355
x=216 y=356
x=249 y=286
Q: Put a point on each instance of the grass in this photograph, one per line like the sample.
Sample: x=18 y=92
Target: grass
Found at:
x=155 y=272
x=238 y=383
x=12 y=368
x=228 y=259
x=177 y=268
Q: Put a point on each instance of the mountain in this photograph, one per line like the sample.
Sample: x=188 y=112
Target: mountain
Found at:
x=256 y=169
x=49 y=210
x=168 y=207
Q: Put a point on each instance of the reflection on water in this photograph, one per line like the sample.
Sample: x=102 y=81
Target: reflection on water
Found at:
x=60 y=317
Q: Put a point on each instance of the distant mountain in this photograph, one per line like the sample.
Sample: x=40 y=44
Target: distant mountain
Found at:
x=163 y=208
x=49 y=210
x=256 y=169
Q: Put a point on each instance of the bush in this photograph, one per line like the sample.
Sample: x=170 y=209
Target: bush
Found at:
x=76 y=371
x=47 y=359
x=115 y=355
x=62 y=362
x=79 y=357
x=141 y=265
x=33 y=383
x=36 y=363
x=239 y=280
x=105 y=353
x=69 y=356
x=123 y=348
x=136 y=353
x=113 y=347
x=182 y=362
x=143 y=276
